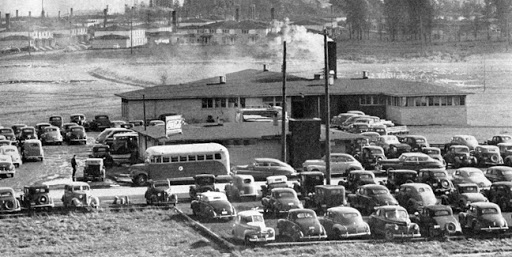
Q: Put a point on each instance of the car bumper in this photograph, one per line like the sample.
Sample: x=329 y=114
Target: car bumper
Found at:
x=263 y=237
x=313 y=237
x=7 y=173
x=488 y=229
x=406 y=235
x=356 y=234
x=34 y=205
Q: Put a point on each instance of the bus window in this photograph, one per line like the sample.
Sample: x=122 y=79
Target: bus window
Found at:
x=183 y=158
x=218 y=156
x=165 y=159
x=200 y=157
x=174 y=158
x=209 y=157
x=191 y=158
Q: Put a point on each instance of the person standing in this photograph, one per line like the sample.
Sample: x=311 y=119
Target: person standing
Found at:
x=73 y=165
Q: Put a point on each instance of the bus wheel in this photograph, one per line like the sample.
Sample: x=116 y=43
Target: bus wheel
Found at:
x=141 y=180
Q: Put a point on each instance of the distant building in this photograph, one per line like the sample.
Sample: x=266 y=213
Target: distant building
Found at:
x=118 y=37
x=223 y=33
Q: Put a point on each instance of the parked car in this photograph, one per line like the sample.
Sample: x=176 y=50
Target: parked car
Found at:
x=415 y=196
x=9 y=134
x=495 y=140
x=106 y=137
x=498 y=173
x=326 y=196
x=51 y=135
x=357 y=178
x=415 y=141
x=358 y=127
x=37 y=196
x=500 y=193
x=300 y=224
x=392 y=147
x=17 y=129
x=467 y=140
x=261 y=168
x=9 y=202
x=338 y=120
x=369 y=197
x=341 y=164
x=438 y=180
x=483 y=217
x=27 y=133
x=506 y=152
x=118 y=123
x=136 y=123
x=103 y=152
x=344 y=222
x=437 y=221
x=250 y=227
x=471 y=175
x=160 y=194
x=307 y=181
x=458 y=156
x=78 y=118
x=396 y=178
x=487 y=155
x=99 y=123
x=410 y=161
x=279 y=181
x=76 y=134
x=12 y=151
x=241 y=186
x=32 y=149
x=281 y=200
x=372 y=137
x=462 y=196
x=202 y=183
x=65 y=129
x=393 y=222
x=78 y=194
x=55 y=120
x=370 y=156
x=156 y=123
x=7 y=168
x=212 y=205
x=94 y=169
x=40 y=128
x=435 y=153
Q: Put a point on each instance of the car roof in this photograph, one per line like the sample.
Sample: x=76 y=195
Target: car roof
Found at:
x=362 y=172
x=213 y=194
x=302 y=210
x=268 y=160
x=282 y=189
x=484 y=204
x=244 y=176
x=343 y=209
x=499 y=168
x=37 y=141
x=487 y=146
x=403 y=171
x=6 y=189
x=330 y=186
x=311 y=173
x=391 y=207
x=373 y=186
x=459 y=146
x=249 y=213
x=414 y=136
x=437 y=207
x=467 y=185
x=506 y=183
x=431 y=148
x=415 y=154
x=469 y=169
x=415 y=185
x=77 y=183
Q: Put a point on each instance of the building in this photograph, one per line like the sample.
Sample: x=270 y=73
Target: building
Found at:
x=119 y=37
x=223 y=33
x=401 y=101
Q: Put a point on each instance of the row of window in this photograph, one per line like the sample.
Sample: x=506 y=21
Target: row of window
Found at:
x=185 y=158
x=224 y=31
x=426 y=101
x=231 y=102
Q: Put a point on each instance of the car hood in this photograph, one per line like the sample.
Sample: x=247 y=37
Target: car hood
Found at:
x=401 y=146
x=257 y=225
x=385 y=199
x=474 y=197
x=220 y=205
x=481 y=181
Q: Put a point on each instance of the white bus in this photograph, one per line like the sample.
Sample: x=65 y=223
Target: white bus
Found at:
x=181 y=161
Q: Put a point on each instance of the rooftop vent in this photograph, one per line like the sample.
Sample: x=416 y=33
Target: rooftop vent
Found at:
x=365 y=75
x=222 y=79
x=265 y=67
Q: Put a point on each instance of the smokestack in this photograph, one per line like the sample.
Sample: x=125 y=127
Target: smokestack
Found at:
x=174 y=19
x=7 y=21
x=222 y=79
x=265 y=67
x=332 y=59
x=105 y=18
x=59 y=15
x=30 y=14
x=237 y=14
x=71 y=12
x=365 y=74
x=272 y=13
x=42 y=13
x=16 y=14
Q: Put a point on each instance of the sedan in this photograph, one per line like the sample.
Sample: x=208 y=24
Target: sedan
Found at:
x=301 y=224
x=410 y=161
x=344 y=222
x=51 y=135
x=471 y=175
x=261 y=168
x=483 y=217
x=212 y=205
x=13 y=152
x=498 y=173
x=341 y=164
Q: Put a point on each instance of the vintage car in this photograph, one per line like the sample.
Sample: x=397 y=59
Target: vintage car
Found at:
x=438 y=180
x=261 y=168
x=487 y=155
x=78 y=118
x=414 y=196
x=307 y=181
x=281 y=200
x=434 y=152
x=370 y=156
x=241 y=186
x=506 y=152
x=357 y=178
x=341 y=164
x=212 y=205
x=12 y=150
x=17 y=129
x=37 y=196
x=467 y=140
x=55 y=120
x=495 y=140
x=358 y=127
x=78 y=194
x=369 y=197
x=7 y=168
x=99 y=123
x=156 y=123
x=498 y=173
x=500 y=193
x=279 y=181
x=159 y=193
x=396 y=178
x=9 y=134
x=326 y=196
x=372 y=136
x=392 y=222
x=94 y=169
x=415 y=141
x=27 y=133
x=462 y=196
x=102 y=151
x=459 y=156
x=338 y=120
x=107 y=136
x=65 y=129
x=118 y=123
x=344 y=222
x=40 y=128
x=392 y=146
x=483 y=217
x=76 y=135
x=51 y=135
x=136 y=123
x=437 y=221
x=300 y=224
x=32 y=149
x=8 y=201
x=4 y=141
x=202 y=183
x=250 y=227
x=471 y=175
x=410 y=161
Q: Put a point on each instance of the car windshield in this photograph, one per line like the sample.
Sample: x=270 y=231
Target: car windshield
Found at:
x=284 y=195
x=365 y=176
x=5 y=193
x=391 y=140
x=474 y=174
x=432 y=151
x=461 y=149
x=379 y=191
x=5 y=131
x=506 y=172
x=489 y=210
x=377 y=151
x=469 y=189
x=7 y=150
x=442 y=213
x=423 y=190
x=420 y=140
x=439 y=174
x=304 y=215
x=252 y=218
x=77 y=129
x=400 y=215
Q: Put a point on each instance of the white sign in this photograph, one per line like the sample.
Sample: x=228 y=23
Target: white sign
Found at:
x=173 y=125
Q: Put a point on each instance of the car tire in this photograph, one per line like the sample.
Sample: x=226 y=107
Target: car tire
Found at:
x=141 y=180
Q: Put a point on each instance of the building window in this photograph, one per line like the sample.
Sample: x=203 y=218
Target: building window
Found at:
x=225 y=31
x=207 y=102
x=371 y=100
x=233 y=102
x=245 y=31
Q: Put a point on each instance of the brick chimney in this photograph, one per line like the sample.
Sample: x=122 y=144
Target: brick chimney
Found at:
x=71 y=12
x=16 y=14
x=30 y=14
x=7 y=21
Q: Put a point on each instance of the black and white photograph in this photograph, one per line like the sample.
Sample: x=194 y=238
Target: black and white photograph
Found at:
x=255 y=128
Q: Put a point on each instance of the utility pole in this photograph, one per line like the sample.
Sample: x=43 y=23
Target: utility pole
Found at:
x=283 y=110
x=131 y=31
x=327 y=115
